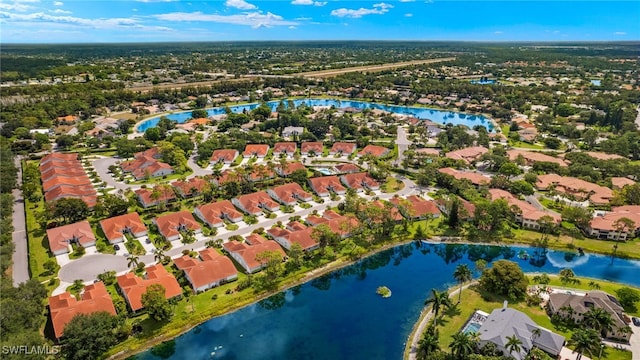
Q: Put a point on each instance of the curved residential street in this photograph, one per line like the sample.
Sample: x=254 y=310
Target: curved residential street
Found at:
x=20 y=258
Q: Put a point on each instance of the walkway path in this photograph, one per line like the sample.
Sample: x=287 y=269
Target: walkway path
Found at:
x=20 y=258
x=425 y=317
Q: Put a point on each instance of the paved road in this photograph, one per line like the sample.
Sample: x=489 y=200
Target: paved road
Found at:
x=403 y=143
x=20 y=266
x=197 y=170
x=89 y=267
x=102 y=168
x=531 y=199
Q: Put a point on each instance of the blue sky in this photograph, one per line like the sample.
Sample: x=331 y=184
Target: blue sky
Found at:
x=64 y=21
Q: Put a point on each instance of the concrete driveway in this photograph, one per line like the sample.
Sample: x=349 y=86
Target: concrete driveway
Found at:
x=88 y=267
x=102 y=168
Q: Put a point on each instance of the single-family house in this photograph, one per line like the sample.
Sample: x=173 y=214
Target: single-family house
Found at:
x=61 y=237
x=289 y=194
x=132 y=287
x=225 y=156
x=161 y=194
x=287 y=148
x=415 y=207
x=64 y=307
x=375 y=151
x=466 y=209
x=575 y=188
x=342 y=149
x=339 y=224
x=292 y=131
x=326 y=184
x=527 y=215
x=146 y=165
x=214 y=214
x=359 y=182
x=247 y=255
x=347 y=168
x=475 y=178
x=116 y=227
x=390 y=211
x=255 y=203
x=257 y=150
x=611 y=225
x=289 y=168
x=531 y=157
x=468 y=155
x=311 y=148
x=261 y=173
x=171 y=225
x=192 y=187
x=210 y=270
x=286 y=238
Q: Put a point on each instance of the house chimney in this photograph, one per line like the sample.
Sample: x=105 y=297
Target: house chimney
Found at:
x=504 y=305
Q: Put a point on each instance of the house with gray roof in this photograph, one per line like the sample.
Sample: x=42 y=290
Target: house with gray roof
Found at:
x=506 y=322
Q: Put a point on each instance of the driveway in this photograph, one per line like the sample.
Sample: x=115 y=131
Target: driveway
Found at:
x=102 y=168
x=403 y=143
x=634 y=342
x=197 y=170
x=20 y=266
x=88 y=267
x=531 y=199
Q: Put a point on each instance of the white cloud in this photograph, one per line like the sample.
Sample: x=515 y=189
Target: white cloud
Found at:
x=408 y=15
x=497 y=32
x=292 y=27
x=100 y=23
x=58 y=3
x=619 y=33
x=308 y=2
x=240 y=4
x=60 y=11
x=16 y=6
x=378 y=9
x=254 y=19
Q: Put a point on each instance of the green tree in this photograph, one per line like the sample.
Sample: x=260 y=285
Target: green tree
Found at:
x=462 y=274
x=133 y=261
x=599 y=320
x=514 y=344
x=509 y=169
x=567 y=276
x=462 y=345
x=156 y=304
x=199 y=113
x=438 y=301
x=453 y=220
x=505 y=278
x=89 y=336
x=428 y=344
x=69 y=210
x=110 y=205
x=628 y=298
x=584 y=341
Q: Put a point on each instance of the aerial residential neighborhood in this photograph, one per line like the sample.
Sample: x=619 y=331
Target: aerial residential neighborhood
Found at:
x=145 y=206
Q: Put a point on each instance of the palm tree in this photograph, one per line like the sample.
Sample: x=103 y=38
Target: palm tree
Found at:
x=438 y=300
x=462 y=345
x=428 y=344
x=513 y=344
x=599 y=320
x=133 y=261
x=535 y=333
x=594 y=285
x=462 y=274
x=159 y=255
x=584 y=340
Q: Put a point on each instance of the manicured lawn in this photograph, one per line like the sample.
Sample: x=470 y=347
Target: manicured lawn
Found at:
x=38 y=245
x=392 y=185
x=161 y=179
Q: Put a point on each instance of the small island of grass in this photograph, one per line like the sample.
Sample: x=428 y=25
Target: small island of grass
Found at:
x=383 y=291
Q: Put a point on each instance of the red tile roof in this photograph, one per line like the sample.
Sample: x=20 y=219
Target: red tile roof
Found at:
x=339 y=224
x=50 y=172
x=598 y=195
x=85 y=193
x=253 y=239
x=300 y=237
x=290 y=168
x=474 y=177
x=64 y=157
x=532 y=156
x=60 y=237
x=291 y=192
x=428 y=151
x=342 y=147
x=322 y=185
x=214 y=212
x=133 y=287
x=284 y=147
x=416 y=206
x=374 y=150
x=250 y=252
x=347 y=168
x=260 y=173
x=529 y=212
x=393 y=211
x=255 y=202
x=114 y=227
x=63 y=176
x=608 y=221
x=604 y=156
x=224 y=155
x=64 y=307
x=170 y=225
x=213 y=268
x=315 y=146
x=620 y=182
x=186 y=187
x=166 y=195
x=259 y=150
x=54 y=182
x=467 y=155
x=360 y=181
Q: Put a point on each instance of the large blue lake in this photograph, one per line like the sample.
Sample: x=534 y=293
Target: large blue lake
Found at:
x=437 y=116
x=339 y=316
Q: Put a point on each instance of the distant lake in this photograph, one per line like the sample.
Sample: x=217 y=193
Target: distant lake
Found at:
x=437 y=116
x=340 y=316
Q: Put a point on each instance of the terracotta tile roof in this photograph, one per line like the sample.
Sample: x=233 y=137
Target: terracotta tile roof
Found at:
x=291 y=193
x=604 y=156
x=342 y=147
x=465 y=211
x=151 y=169
x=115 y=227
x=374 y=150
x=260 y=173
x=64 y=307
x=315 y=146
x=213 y=268
x=153 y=152
x=529 y=212
x=249 y=252
x=213 y=213
x=359 y=181
x=166 y=195
x=253 y=239
x=52 y=183
x=608 y=221
x=467 y=155
x=224 y=155
x=133 y=287
x=145 y=163
x=62 y=157
x=339 y=224
x=322 y=185
x=620 y=182
x=393 y=211
x=347 y=168
x=227 y=176
x=475 y=178
x=285 y=147
x=186 y=187
x=259 y=150
x=170 y=225
x=598 y=195
x=200 y=121
x=255 y=203
x=52 y=172
x=295 y=226
x=290 y=168
x=416 y=206
x=532 y=156
x=300 y=237
x=85 y=193
x=428 y=151
x=63 y=176
x=60 y=237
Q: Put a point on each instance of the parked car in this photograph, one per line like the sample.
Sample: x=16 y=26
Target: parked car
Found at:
x=636 y=321
x=116 y=247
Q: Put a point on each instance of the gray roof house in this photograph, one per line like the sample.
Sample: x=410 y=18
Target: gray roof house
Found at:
x=505 y=322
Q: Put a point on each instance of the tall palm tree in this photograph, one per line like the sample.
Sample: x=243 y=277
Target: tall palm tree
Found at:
x=599 y=320
x=513 y=344
x=462 y=345
x=535 y=333
x=584 y=341
x=438 y=300
x=428 y=344
x=462 y=274
x=133 y=261
x=159 y=255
